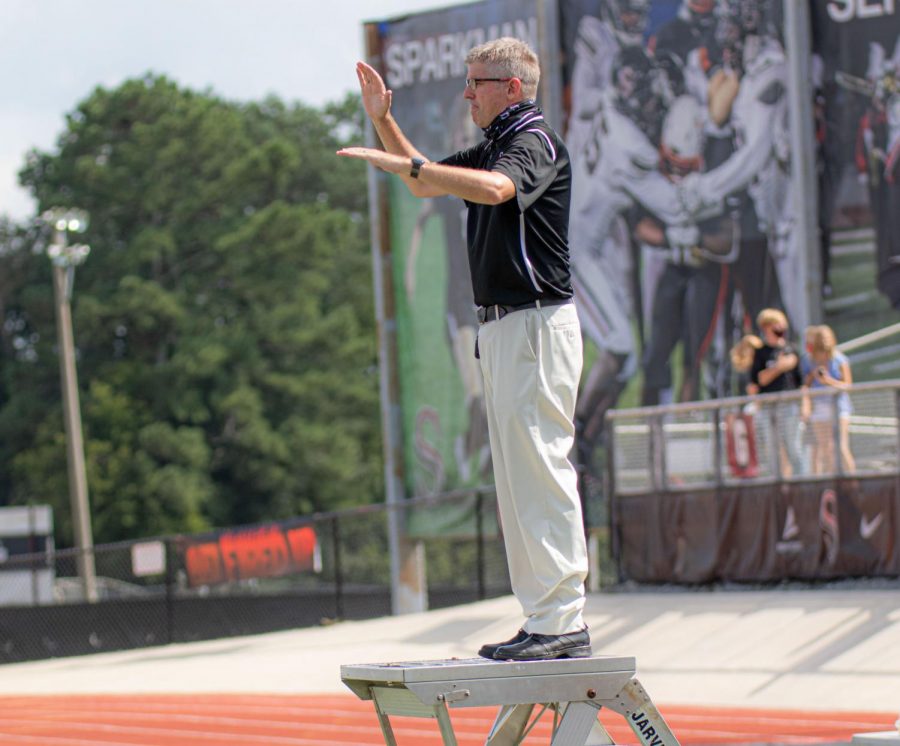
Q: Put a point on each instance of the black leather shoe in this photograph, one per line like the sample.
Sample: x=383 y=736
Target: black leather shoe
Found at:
x=487 y=651
x=537 y=647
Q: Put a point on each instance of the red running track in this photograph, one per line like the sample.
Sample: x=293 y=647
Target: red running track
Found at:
x=333 y=720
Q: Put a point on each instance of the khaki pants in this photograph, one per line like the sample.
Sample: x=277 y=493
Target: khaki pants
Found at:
x=531 y=361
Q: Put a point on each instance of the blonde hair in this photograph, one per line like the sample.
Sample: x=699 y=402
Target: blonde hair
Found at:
x=771 y=317
x=510 y=57
x=742 y=353
x=822 y=341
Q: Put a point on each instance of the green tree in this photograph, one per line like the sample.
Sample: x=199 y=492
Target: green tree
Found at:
x=224 y=319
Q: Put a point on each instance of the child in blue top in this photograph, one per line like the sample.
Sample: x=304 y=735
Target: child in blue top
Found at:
x=825 y=367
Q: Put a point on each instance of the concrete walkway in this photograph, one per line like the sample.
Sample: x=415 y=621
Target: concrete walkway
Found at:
x=812 y=650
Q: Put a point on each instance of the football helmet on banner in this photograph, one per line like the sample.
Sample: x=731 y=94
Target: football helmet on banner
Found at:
x=628 y=19
x=640 y=90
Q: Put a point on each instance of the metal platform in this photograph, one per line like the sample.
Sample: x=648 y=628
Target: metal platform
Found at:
x=572 y=691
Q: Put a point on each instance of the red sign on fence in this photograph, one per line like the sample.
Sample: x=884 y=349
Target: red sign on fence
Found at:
x=266 y=552
x=740 y=443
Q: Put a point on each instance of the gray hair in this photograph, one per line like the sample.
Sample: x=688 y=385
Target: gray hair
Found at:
x=511 y=57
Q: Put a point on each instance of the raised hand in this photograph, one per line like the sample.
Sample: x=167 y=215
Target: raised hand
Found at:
x=376 y=97
x=393 y=164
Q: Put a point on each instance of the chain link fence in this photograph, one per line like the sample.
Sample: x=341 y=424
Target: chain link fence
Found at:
x=247 y=580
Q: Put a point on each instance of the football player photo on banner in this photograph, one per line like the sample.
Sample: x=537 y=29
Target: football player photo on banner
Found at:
x=682 y=221
x=422 y=60
x=856 y=77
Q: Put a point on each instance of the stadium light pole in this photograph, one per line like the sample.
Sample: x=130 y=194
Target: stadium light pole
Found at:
x=64 y=257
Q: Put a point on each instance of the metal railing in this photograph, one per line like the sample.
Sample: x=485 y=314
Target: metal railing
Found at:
x=791 y=486
x=754 y=439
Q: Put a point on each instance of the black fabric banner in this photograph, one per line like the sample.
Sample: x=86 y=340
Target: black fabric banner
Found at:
x=806 y=531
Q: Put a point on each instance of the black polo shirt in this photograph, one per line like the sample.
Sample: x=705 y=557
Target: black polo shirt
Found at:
x=518 y=250
x=766 y=357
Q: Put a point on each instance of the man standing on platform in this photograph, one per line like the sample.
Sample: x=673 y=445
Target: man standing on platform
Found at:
x=516 y=184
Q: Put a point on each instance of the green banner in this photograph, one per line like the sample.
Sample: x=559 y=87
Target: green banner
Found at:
x=422 y=59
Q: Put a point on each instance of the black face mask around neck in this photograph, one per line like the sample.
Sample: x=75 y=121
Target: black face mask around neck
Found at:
x=511 y=118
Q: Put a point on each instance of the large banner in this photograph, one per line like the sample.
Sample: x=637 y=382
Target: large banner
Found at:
x=422 y=60
x=684 y=215
x=683 y=218
x=856 y=66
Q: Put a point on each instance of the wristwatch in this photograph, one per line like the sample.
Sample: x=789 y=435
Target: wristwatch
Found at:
x=417 y=164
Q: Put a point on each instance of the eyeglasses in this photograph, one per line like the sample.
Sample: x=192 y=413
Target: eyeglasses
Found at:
x=472 y=83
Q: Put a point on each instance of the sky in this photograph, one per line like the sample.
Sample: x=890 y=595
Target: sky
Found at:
x=54 y=53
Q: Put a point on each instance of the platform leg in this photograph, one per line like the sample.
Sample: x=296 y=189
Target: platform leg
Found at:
x=443 y=718
x=509 y=725
x=576 y=725
x=598 y=736
x=385 y=723
x=641 y=714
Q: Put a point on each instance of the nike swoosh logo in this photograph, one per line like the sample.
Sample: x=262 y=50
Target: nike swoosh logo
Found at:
x=791 y=529
x=868 y=528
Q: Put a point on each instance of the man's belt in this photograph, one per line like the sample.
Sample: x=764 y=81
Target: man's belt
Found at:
x=497 y=312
